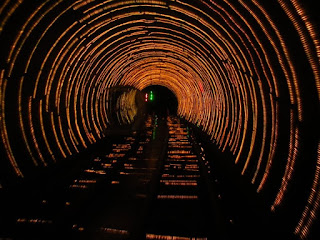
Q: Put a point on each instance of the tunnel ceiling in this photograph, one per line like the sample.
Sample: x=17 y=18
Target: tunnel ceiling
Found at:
x=246 y=72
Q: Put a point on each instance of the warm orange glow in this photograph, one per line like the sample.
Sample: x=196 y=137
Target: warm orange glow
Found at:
x=237 y=73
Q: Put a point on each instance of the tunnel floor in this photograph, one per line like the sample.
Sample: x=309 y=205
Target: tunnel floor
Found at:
x=155 y=184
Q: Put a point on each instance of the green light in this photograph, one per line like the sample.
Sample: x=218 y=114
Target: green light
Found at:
x=151 y=96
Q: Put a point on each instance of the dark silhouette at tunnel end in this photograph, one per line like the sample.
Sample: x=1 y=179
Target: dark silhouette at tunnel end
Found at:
x=163 y=101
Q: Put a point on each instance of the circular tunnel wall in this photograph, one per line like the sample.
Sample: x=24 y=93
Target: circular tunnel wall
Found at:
x=247 y=72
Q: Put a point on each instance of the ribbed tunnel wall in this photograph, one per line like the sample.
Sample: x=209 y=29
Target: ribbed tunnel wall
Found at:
x=247 y=72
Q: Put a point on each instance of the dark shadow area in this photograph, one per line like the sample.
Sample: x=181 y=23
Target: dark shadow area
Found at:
x=160 y=100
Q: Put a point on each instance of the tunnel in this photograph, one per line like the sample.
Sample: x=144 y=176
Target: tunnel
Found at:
x=160 y=101
x=244 y=75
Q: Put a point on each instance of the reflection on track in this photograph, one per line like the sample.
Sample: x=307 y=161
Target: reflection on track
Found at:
x=151 y=185
x=181 y=209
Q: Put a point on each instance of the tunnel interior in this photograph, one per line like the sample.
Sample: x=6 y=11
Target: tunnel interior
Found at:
x=160 y=100
x=241 y=77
